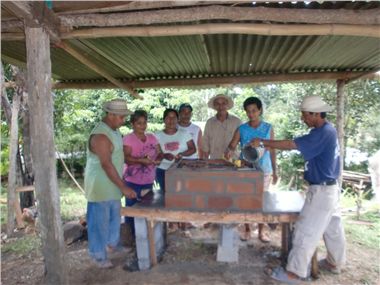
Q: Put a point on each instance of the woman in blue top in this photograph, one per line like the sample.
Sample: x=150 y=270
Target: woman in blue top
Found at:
x=256 y=128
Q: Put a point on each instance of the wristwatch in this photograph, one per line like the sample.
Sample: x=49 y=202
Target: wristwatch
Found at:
x=261 y=143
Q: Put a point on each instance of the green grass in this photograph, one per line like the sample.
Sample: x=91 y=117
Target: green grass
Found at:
x=73 y=201
x=3 y=207
x=25 y=245
x=368 y=233
x=365 y=230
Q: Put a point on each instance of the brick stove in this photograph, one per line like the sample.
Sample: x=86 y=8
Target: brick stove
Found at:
x=215 y=185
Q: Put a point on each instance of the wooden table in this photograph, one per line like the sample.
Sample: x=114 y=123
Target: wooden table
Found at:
x=280 y=207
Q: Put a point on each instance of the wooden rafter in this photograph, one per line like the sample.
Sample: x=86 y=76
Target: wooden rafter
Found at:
x=83 y=59
x=349 y=77
x=214 y=81
x=218 y=12
x=36 y=14
x=233 y=28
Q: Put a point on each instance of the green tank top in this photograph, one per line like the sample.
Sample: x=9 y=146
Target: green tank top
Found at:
x=97 y=185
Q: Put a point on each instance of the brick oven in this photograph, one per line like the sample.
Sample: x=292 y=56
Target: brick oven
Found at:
x=213 y=185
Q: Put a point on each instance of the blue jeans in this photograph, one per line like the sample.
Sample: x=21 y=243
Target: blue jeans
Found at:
x=160 y=178
x=103 y=227
x=130 y=202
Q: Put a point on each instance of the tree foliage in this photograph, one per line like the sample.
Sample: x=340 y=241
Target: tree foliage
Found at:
x=77 y=111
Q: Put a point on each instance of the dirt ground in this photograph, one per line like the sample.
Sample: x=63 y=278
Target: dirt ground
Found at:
x=190 y=258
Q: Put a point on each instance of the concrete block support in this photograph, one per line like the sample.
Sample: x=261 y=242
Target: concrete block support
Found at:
x=228 y=246
x=142 y=242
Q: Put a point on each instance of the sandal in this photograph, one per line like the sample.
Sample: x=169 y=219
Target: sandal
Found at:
x=327 y=266
x=263 y=237
x=279 y=274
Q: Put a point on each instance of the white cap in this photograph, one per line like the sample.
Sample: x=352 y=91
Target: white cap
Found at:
x=315 y=104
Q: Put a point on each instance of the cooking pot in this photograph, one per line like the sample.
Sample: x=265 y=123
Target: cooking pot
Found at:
x=252 y=154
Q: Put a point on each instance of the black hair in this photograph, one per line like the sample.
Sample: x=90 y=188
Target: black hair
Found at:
x=167 y=111
x=323 y=114
x=253 y=100
x=185 y=105
x=138 y=114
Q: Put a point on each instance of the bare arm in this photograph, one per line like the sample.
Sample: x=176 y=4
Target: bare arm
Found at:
x=102 y=147
x=190 y=149
x=232 y=145
x=277 y=144
x=273 y=159
x=129 y=159
x=199 y=144
x=206 y=143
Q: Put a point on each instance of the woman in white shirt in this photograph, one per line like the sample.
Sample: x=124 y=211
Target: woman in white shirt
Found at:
x=174 y=144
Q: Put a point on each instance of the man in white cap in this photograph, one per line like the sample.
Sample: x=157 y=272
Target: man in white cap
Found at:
x=103 y=183
x=320 y=216
x=219 y=129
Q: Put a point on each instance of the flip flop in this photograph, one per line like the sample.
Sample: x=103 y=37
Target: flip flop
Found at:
x=279 y=274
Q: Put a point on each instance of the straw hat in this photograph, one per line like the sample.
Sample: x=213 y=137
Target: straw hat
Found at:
x=229 y=100
x=314 y=104
x=117 y=106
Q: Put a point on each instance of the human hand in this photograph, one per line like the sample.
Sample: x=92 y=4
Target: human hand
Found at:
x=228 y=154
x=129 y=193
x=274 y=178
x=255 y=142
x=178 y=156
x=169 y=156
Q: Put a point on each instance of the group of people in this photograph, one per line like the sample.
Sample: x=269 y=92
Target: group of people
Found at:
x=147 y=157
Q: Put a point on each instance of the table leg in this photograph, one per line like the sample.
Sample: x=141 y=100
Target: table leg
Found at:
x=152 y=248
x=286 y=241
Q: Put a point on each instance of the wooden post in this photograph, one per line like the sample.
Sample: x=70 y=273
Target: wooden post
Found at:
x=286 y=242
x=152 y=248
x=43 y=153
x=340 y=123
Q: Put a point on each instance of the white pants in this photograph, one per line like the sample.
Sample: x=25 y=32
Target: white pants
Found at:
x=319 y=217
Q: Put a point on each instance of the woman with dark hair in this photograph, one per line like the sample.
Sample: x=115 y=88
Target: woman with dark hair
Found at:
x=256 y=128
x=141 y=155
x=174 y=144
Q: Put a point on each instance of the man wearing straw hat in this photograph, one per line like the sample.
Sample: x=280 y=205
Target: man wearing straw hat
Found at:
x=219 y=129
x=103 y=183
x=320 y=215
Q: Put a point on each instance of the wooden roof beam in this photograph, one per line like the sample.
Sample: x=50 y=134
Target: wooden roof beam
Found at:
x=233 y=28
x=36 y=14
x=69 y=49
x=214 y=12
x=219 y=12
x=371 y=75
x=212 y=29
x=214 y=81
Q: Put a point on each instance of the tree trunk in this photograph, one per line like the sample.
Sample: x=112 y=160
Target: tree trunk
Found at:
x=12 y=200
x=340 y=122
x=4 y=99
x=27 y=198
x=43 y=153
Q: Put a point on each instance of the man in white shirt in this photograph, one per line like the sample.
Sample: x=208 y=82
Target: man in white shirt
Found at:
x=219 y=129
